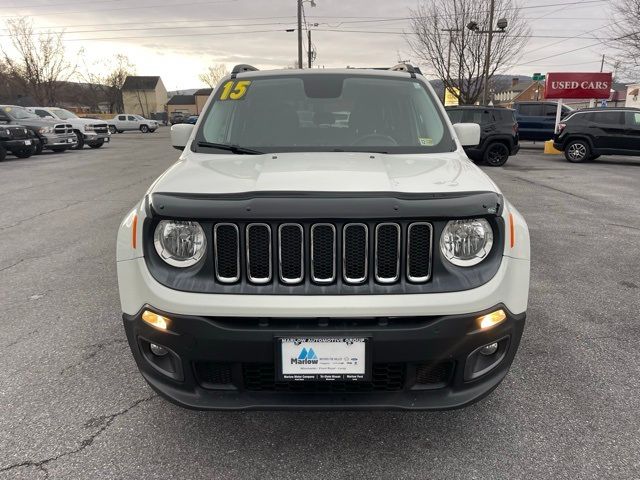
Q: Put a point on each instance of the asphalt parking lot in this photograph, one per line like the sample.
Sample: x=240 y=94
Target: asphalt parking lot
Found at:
x=73 y=405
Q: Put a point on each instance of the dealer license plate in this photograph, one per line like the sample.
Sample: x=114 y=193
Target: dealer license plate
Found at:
x=27 y=142
x=70 y=140
x=324 y=358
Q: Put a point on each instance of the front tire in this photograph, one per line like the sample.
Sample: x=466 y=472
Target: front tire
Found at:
x=577 y=151
x=144 y=128
x=25 y=152
x=112 y=129
x=496 y=154
x=80 y=144
x=97 y=144
x=3 y=153
x=39 y=148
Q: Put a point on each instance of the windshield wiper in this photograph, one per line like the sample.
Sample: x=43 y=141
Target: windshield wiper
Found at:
x=237 y=149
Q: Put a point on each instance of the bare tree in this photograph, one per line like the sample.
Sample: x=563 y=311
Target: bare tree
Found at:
x=41 y=62
x=626 y=39
x=214 y=74
x=456 y=55
x=106 y=79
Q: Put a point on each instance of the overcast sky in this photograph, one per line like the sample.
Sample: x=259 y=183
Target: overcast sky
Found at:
x=178 y=39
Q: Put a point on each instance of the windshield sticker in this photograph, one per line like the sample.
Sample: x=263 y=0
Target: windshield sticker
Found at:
x=426 y=142
x=234 y=90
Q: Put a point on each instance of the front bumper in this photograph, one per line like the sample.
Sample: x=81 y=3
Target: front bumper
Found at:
x=55 y=140
x=418 y=362
x=93 y=137
x=15 y=145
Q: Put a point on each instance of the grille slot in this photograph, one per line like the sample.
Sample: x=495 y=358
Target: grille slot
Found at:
x=387 y=252
x=386 y=377
x=433 y=374
x=259 y=253
x=212 y=374
x=291 y=252
x=323 y=253
x=419 y=251
x=226 y=239
x=355 y=252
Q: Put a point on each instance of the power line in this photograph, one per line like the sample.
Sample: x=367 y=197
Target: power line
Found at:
x=110 y=9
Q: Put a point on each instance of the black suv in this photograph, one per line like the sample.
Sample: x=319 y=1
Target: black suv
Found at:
x=587 y=134
x=16 y=140
x=537 y=120
x=498 y=132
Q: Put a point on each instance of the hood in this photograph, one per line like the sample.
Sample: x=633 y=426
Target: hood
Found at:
x=323 y=171
x=37 y=122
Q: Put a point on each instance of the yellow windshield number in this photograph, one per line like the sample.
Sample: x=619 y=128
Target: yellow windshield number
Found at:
x=234 y=90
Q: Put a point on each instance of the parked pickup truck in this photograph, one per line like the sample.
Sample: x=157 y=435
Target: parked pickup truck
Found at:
x=359 y=264
x=125 y=122
x=15 y=139
x=46 y=133
x=94 y=133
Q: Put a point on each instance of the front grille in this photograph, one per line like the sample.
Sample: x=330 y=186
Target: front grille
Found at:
x=386 y=377
x=259 y=253
x=62 y=128
x=433 y=373
x=19 y=133
x=100 y=128
x=323 y=253
x=212 y=374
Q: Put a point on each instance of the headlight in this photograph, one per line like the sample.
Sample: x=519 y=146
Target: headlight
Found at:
x=179 y=243
x=46 y=130
x=89 y=128
x=466 y=242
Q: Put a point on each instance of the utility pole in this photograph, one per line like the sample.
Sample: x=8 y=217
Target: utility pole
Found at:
x=309 y=49
x=448 y=74
x=602 y=63
x=485 y=90
x=300 y=34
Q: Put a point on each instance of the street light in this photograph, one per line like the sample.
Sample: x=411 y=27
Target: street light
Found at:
x=300 y=2
x=473 y=26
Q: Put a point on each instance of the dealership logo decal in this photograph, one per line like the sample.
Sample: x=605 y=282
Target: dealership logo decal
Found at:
x=305 y=357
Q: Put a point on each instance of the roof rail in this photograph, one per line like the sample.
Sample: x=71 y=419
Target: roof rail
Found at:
x=243 y=67
x=406 y=67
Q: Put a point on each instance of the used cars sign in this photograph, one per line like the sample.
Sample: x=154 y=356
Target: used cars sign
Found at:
x=578 y=85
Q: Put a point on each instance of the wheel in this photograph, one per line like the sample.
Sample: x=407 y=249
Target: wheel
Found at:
x=144 y=128
x=577 y=151
x=24 y=152
x=496 y=154
x=58 y=149
x=39 y=148
x=3 y=153
x=80 y=144
x=97 y=144
x=112 y=129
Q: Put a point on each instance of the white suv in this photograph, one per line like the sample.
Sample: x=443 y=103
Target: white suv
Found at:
x=89 y=131
x=324 y=242
x=126 y=122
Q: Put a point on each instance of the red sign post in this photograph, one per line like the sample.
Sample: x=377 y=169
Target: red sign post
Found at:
x=581 y=85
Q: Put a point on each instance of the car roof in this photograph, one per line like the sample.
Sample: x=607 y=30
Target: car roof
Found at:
x=608 y=109
x=365 y=72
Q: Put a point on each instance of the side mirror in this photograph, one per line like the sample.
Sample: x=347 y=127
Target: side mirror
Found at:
x=468 y=133
x=180 y=134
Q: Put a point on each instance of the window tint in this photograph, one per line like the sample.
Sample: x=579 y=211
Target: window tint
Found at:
x=609 y=118
x=530 y=109
x=504 y=115
x=551 y=109
x=322 y=112
x=131 y=118
x=481 y=117
x=580 y=119
x=43 y=113
x=633 y=119
x=122 y=117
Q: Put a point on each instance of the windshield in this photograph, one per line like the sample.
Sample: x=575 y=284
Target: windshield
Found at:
x=325 y=112
x=19 y=113
x=63 y=114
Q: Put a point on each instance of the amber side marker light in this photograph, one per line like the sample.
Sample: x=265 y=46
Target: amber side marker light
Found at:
x=155 y=320
x=492 y=319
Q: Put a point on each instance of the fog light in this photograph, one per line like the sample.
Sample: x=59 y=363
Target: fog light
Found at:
x=159 y=351
x=155 y=320
x=492 y=319
x=487 y=350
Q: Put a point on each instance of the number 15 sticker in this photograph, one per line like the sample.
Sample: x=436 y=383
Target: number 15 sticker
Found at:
x=234 y=90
